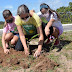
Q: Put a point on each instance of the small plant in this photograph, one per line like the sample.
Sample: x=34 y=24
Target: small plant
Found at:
x=31 y=39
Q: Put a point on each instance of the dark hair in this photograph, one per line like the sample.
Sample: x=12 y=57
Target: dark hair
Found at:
x=22 y=9
x=50 y=10
x=6 y=13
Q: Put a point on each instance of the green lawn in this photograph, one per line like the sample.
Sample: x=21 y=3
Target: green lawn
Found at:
x=61 y=54
x=0 y=41
x=1 y=26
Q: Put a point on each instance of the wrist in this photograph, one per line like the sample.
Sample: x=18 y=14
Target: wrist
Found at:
x=25 y=48
x=4 y=48
x=39 y=48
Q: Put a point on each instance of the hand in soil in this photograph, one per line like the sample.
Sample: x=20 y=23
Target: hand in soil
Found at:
x=6 y=51
x=37 y=53
x=26 y=52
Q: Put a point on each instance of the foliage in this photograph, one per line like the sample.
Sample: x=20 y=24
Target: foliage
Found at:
x=65 y=13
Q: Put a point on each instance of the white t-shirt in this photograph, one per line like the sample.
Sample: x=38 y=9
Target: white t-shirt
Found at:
x=57 y=23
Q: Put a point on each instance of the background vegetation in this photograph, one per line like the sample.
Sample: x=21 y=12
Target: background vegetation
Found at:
x=64 y=12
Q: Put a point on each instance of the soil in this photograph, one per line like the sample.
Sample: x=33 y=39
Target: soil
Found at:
x=18 y=58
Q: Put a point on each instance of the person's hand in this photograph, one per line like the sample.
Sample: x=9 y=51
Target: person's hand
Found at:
x=6 y=51
x=47 y=31
x=26 y=52
x=37 y=53
x=32 y=11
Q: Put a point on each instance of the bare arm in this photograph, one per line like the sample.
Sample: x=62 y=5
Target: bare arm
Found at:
x=49 y=24
x=3 y=41
x=4 y=44
x=22 y=37
x=41 y=39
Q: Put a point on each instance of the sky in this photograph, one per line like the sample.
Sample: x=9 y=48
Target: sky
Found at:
x=12 y=5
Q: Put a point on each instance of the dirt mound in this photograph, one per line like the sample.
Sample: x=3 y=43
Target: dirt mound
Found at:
x=18 y=58
x=43 y=64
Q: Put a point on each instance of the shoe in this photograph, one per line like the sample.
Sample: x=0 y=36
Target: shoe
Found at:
x=51 y=38
x=57 y=42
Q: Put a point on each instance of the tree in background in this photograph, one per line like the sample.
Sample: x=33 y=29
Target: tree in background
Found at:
x=1 y=22
x=65 y=13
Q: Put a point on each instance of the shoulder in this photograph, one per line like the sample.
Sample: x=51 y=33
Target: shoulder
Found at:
x=53 y=16
x=18 y=20
x=32 y=12
x=17 y=17
x=54 y=13
x=40 y=14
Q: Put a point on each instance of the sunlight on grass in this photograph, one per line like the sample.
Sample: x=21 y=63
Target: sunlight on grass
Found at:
x=49 y=71
x=1 y=26
x=53 y=57
x=66 y=51
x=0 y=41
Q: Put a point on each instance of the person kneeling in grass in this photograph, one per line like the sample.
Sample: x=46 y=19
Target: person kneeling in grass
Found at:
x=27 y=24
x=10 y=26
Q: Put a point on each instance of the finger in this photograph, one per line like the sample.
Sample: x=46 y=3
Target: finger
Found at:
x=5 y=52
x=34 y=55
x=8 y=52
x=26 y=53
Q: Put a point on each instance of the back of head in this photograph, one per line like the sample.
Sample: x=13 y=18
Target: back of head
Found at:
x=22 y=9
x=6 y=13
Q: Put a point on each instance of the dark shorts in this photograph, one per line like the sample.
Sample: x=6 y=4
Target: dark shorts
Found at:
x=19 y=46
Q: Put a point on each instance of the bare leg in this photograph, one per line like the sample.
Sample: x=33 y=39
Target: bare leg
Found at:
x=14 y=40
x=8 y=37
x=55 y=32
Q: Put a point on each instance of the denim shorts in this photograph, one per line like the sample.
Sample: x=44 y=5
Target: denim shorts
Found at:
x=17 y=34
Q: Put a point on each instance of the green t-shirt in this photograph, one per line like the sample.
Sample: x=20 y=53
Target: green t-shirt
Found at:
x=29 y=28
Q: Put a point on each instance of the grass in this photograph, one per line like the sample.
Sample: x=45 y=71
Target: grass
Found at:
x=15 y=68
x=4 y=69
x=13 y=56
x=66 y=50
x=1 y=26
x=0 y=41
x=8 y=60
x=49 y=71
x=53 y=57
